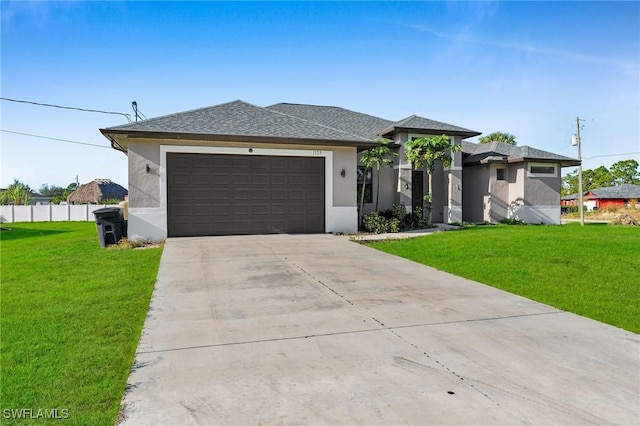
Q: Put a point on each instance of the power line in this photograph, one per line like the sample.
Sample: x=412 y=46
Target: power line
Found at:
x=127 y=116
x=54 y=139
x=611 y=155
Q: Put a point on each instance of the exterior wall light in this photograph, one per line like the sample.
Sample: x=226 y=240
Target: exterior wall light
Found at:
x=147 y=168
x=343 y=173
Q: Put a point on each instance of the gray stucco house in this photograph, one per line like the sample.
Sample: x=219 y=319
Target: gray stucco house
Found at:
x=238 y=168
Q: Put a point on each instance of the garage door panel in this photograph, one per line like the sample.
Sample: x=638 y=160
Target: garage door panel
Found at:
x=278 y=179
x=240 y=195
x=277 y=163
x=221 y=212
x=219 y=179
x=260 y=178
x=221 y=195
x=296 y=195
x=216 y=194
x=238 y=161
x=260 y=194
x=313 y=181
x=278 y=209
x=278 y=194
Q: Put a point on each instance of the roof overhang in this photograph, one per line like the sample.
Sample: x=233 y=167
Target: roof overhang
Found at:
x=475 y=159
x=464 y=134
x=569 y=162
x=119 y=139
x=492 y=159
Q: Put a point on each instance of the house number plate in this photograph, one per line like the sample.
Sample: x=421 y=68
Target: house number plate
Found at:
x=316 y=152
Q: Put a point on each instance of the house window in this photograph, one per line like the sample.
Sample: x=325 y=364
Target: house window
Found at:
x=368 y=197
x=501 y=174
x=543 y=170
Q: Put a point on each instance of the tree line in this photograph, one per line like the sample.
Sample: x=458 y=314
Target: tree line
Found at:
x=20 y=193
x=625 y=171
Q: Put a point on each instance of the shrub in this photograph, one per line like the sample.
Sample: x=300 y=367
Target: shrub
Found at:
x=395 y=219
x=374 y=222
x=418 y=221
x=399 y=213
x=393 y=225
x=378 y=224
x=511 y=221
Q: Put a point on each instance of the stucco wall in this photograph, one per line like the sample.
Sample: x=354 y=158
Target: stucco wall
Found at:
x=144 y=188
x=498 y=207
x=516 y=176
x=344 y=188
x=388 y=188
x=533 y=199
x=542 y=191
x=521 y=196
x=475 y=183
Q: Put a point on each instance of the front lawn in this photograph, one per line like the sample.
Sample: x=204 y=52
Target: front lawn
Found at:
x=71 y=315
x=592 y=271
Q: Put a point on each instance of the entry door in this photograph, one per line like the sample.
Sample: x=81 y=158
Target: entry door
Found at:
x=417 y=191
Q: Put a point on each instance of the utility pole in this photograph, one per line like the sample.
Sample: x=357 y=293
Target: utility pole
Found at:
x=134 y=105
x=580 y=194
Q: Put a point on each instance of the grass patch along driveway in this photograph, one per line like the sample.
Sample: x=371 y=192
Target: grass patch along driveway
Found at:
x=591 y=270
x=71 y=317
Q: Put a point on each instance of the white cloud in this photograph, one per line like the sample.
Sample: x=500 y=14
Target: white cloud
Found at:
x=530 y=48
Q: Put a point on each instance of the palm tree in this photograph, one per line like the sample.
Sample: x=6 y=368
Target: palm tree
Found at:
x=499 y=137
x=17 y=193
x=425 y=152
x=376 y=156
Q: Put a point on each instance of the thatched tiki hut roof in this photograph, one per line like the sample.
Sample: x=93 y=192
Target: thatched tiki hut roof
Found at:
x=96 y=192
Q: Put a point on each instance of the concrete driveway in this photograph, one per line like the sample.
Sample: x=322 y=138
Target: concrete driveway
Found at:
x=315 y=329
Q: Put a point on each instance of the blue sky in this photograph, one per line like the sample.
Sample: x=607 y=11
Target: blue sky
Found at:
x=527 y=68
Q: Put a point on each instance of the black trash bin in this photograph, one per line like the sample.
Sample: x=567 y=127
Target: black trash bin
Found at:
x=110 y=224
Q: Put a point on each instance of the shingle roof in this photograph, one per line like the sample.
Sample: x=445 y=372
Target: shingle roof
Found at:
x=425 y=125
x=570 y=197
x=477 y=152
x=283 y=120
x=239 y=118
x=626 y=190
x=363 y=125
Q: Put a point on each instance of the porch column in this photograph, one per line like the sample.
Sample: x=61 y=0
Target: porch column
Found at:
x=453 y=208
x=403 y=176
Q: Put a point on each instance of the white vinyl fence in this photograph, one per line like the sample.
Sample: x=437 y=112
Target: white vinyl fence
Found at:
x=50 y=213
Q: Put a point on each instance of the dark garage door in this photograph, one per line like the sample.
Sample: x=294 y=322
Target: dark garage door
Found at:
x=217 y=194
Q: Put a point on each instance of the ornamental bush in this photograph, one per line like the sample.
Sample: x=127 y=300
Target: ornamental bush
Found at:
x=376 y=223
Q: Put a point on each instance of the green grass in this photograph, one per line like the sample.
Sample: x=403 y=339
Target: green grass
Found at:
x=71 y=315
x=592 y=271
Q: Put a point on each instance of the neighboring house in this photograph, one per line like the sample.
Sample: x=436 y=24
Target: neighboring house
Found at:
x=96 y=192
x=608 y=197
x=238 y=168
x=39 y=199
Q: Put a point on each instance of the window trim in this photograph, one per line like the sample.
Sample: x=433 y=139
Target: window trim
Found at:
x=504 y=173
x=542 y=175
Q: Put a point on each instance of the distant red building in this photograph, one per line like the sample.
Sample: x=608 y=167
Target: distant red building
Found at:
x=608 y=197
